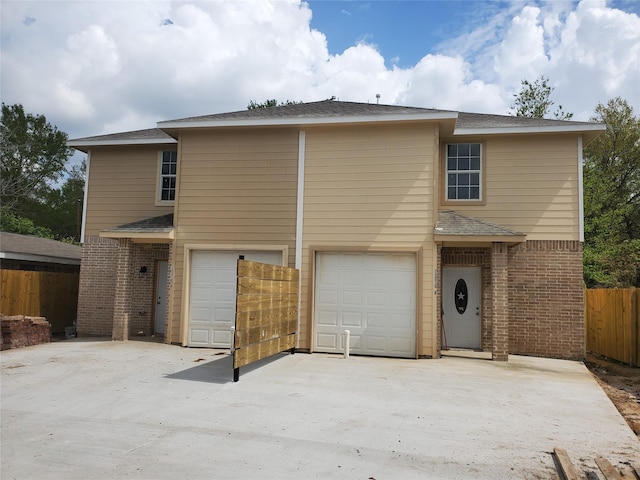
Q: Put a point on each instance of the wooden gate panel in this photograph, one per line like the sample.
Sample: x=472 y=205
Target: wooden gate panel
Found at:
x=266 y=312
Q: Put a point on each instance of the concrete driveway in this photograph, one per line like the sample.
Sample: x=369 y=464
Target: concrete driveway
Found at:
x=105 y=410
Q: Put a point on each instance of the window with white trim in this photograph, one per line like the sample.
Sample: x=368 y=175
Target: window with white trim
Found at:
x=464 y=172
x=168 y=169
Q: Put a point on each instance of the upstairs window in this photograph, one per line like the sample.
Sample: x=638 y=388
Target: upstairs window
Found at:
x=168 y=169
x=464 y=172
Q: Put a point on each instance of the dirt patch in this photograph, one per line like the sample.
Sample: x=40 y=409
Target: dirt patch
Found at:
x=622 y=384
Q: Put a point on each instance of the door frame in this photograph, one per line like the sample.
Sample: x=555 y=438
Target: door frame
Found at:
x=155 y=297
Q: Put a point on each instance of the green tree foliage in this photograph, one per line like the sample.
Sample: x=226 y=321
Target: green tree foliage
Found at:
x=612 y=199
x=269 y=103
x=23 y=226
x=534 y=100
x=59 y=210
x=33 y=154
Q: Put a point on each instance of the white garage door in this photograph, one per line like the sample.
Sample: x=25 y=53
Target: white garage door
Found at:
x=373 y=295
x=212 y=299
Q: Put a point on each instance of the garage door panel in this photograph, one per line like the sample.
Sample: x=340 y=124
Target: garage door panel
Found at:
x=327 y=297
x=351 y=320
x=212 y=294
x=199 y=337
x=376 y=344
x=351 y=278
x=327 y=318
x=377 y=320
x=375 y=300
x=327 y=341
x=399 y=345
x=401 y=322
x=352 y=298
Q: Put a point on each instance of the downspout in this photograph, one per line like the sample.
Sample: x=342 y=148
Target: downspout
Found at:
x=300 y=200
x=300 y=218
x=86 y=195
x=580 y=189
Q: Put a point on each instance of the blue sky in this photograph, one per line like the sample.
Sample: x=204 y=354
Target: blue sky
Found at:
x=102 y=66
x=403 y=31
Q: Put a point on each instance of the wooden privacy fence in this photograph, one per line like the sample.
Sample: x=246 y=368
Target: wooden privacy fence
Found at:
x=266 y=312
x=53 y=295
x=613 y=323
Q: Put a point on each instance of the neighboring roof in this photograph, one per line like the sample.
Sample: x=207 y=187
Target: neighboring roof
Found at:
x=482 y=123
x=337 y=112
x=163 y=223
x=154 y=229
x=452 y=224
x=36 y=249
x=138 y=137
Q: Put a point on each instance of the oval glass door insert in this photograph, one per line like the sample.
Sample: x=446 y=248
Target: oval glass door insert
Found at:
x=461 y=296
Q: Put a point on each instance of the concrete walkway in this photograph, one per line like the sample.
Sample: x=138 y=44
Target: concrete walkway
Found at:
x=105 y=410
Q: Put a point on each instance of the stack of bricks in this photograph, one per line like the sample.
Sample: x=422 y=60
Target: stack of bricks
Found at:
x=22 y=331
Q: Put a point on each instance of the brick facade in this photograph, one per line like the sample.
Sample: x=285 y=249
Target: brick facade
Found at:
x=546 y=304
x=499 y=302
x=97 y=286
x=544 y=292
x=98 y=281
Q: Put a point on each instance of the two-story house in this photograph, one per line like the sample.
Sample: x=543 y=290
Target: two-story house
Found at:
x=415 y=229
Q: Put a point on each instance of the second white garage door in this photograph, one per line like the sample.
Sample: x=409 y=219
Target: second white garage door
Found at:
x=373 y=295
x=212 y=298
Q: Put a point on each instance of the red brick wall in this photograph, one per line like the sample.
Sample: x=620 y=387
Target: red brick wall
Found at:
x=21 y=331
x=545 y=294
x=98 y=281
x=97 y=286
x=546 y=305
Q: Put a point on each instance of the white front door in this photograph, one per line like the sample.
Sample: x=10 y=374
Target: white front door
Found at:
x=373 y=295
x=462 y=318
x=212 y=296
x=161 y=296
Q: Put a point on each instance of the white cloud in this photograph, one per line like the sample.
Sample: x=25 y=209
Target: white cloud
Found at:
x=96 y=67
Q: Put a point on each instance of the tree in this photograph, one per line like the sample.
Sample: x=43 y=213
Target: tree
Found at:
x=33 y=154
x=534 y=100
x=269 y=103
x=23 y=226
x=612 y=199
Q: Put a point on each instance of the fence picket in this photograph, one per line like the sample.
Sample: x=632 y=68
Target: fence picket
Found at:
x=53 y=295
x=613 y=323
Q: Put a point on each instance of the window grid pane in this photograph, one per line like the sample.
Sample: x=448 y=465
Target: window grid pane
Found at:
x=168 y=169
x=463 y=171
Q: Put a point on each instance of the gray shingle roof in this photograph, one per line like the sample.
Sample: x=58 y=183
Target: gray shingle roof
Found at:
x=329 y=110
x=148 y=134
x=453 y=223
x=27 y=247
x=161 y=224
x=483 y=120
x=322 y=109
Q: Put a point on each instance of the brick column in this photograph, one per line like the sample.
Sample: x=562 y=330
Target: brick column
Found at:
x=500 y=302
x=123 y=290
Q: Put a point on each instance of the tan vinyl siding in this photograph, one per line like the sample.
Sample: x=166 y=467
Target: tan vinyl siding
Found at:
x=531 y=186
x=122 y=186
x=235 y=187
x=371 y=188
